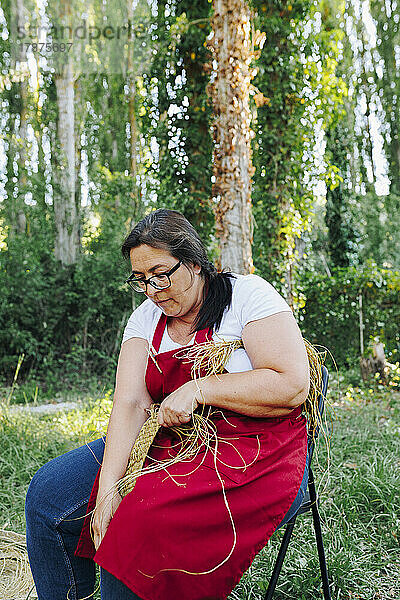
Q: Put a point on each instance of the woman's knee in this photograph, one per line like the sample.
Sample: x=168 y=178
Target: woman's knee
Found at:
x=64 y=483
x=40 y=492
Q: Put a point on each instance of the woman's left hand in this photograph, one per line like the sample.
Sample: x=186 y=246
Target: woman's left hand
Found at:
x=177 y=408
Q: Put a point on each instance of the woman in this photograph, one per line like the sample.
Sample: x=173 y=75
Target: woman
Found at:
x=191 y=530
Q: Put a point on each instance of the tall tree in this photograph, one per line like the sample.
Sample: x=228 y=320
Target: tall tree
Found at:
x=373 y=75
x=23 y=126
x=176 y=112
x=281 y=203
x=66 y=208
x=195 y=124
x=338 y=217
x=16 y=96
x=65 y=197
x=387 y=80
x=298 y=93
x=133 y=129
x=232 y=161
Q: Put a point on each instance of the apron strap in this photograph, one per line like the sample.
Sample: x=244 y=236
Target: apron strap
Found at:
x=159 y=332
x=203 y=335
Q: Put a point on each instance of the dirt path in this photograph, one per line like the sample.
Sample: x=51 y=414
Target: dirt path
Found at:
x=45 y=409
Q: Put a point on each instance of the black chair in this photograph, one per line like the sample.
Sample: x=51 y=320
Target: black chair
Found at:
x=310 y=502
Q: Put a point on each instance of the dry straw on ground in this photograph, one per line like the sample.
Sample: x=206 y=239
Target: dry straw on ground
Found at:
x=16 y=581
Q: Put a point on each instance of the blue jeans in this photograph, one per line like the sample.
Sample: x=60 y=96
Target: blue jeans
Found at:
x=56 y=503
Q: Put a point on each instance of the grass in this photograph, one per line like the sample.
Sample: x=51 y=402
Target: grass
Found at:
x=27 y=441
x=359 y=497
x=35 y=392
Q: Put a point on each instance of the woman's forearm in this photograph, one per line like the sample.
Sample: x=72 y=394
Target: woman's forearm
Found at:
x=261 y=392
x=124 y=425
x=128 y=414
x=256 y=393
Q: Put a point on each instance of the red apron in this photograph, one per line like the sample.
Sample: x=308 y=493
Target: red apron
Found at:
x=177 y=525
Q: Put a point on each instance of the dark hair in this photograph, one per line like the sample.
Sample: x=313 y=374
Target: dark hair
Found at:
x=170 y=230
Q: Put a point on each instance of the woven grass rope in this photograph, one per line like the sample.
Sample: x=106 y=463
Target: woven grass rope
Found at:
x=139 y=451
x=316 y=359
x=16 y=582
x=211 y=358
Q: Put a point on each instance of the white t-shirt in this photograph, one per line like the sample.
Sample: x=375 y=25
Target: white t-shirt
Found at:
x=252 y=298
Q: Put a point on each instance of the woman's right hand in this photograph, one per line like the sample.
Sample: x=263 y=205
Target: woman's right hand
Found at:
x=103 y=513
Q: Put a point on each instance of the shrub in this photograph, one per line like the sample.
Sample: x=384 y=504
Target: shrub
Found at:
x=330 y=315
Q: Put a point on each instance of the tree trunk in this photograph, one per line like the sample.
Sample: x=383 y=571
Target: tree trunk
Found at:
x=374 y=364
x=388 y=83
x=233 y=169
x=20 y=223
x=132 y=130
x=133 y=145
x=80 y=113
x=66 y=210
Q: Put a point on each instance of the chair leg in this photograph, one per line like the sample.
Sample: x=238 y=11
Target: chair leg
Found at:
x=280 y=558
x=318 y=535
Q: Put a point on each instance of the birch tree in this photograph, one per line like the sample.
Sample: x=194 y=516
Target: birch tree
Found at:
x=19 y=225
x=387 y=81
x=66 y=211
x=66 y=208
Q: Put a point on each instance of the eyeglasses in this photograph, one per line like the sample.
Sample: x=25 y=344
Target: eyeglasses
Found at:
x=158 y=282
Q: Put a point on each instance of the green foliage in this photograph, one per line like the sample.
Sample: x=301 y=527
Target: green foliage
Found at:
x=341 y=235
x=378 y=228
x=279 y=202
x=297 y=77
x=105 y=122
x=67 y=321
x=330 y=315
x=177 y=112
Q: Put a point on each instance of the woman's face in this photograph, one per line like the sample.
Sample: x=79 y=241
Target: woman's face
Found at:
x=185 y=292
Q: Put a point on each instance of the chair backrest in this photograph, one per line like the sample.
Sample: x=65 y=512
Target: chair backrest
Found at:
x=321 y=405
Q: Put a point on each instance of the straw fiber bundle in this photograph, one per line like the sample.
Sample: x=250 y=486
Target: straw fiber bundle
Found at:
x=208 y=358
x=16 y=581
